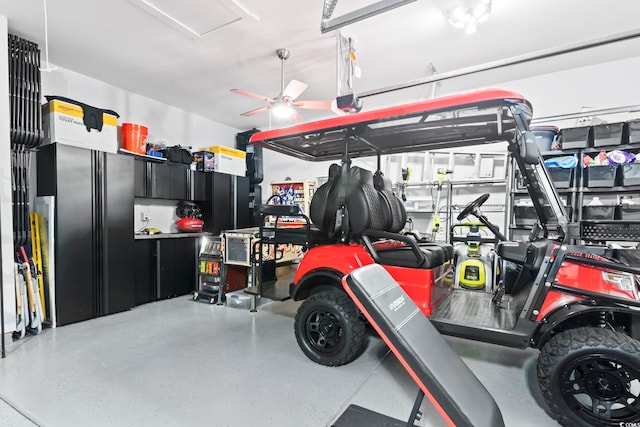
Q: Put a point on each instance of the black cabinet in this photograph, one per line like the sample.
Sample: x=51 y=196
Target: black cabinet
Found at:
x=199 y=185
x=169 y=181
x=166 y=268
x=177 y=267
x=94 y=264
x=162 y=180
x=217 y=209
x=145 y=271
x=140 y=178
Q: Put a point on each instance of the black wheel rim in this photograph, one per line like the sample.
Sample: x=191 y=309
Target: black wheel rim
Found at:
x=324 y=332
x=602 y=388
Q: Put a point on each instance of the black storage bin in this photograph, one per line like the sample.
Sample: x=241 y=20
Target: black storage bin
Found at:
x=633 y=131
x=599 y=212
x=629 y=212
x=525 y=215
x=608 y=134
x=630 y=174
x=580 y=137
x=561 y=177
x=600 y=176
x=545 y=136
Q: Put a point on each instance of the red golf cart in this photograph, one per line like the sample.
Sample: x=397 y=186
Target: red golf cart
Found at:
x=576 y=303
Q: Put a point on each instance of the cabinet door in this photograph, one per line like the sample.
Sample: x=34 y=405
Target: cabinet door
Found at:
x=144 y=271
x=166 y=268
x=178 y=182
x=185 y=266
x=66 y=172
x=160 y=181
x=199 y=185
x=140 y=178
x=168 y=181
x=243 y=210
x=217 y=211
x=117 y=231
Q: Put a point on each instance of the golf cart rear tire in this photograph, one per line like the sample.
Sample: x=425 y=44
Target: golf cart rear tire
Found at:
x=329 y=329
x=573 y=359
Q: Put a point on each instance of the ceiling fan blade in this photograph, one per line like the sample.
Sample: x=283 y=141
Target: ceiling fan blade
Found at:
x=252 y=95
x=296 y=116
x=294 y=89
x=256 y=111
x=313 y=105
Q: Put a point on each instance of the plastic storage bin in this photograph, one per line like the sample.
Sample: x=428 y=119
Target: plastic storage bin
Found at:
x=629 y=212
x=630 y=174
x=599 y=212
x=545 y=136
x=561 y=177
x=580 y=137
x=525 y=215
x=600 y=176
x=633 y=131
x=607 y=134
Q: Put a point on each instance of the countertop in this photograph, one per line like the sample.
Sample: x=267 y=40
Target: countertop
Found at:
x=169 y=236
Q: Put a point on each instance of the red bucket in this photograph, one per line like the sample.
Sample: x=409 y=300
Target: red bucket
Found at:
x=134 y=137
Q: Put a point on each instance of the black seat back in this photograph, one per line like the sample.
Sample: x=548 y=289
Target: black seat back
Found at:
x=445 y=379
x=365 y=206
x=396 y=207
x=323 y=208
x=529 y=256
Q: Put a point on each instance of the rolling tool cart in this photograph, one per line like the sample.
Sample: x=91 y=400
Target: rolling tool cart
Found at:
x=210 y=270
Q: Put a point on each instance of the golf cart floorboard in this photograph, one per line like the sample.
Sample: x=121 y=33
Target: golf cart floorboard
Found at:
x=474 y=308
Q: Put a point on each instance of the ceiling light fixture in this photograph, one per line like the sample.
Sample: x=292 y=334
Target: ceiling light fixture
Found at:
x=282 y=110
x=469 y=14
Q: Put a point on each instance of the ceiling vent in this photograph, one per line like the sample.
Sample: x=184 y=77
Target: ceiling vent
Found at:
x=197 y=19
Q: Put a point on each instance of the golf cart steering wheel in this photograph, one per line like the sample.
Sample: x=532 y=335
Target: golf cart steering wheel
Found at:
x=468 y=210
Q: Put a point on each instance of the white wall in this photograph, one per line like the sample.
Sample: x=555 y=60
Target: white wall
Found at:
x=165 y=123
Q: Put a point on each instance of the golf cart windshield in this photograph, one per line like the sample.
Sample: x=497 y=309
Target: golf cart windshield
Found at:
x=474 y=118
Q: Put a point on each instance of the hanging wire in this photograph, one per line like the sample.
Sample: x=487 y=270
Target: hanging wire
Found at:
x=48 y=68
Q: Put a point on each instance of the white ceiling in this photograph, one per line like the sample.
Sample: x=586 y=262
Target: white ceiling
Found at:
x=119 y=42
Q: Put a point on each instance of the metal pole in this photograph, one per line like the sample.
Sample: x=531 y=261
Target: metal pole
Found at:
x=520 y=59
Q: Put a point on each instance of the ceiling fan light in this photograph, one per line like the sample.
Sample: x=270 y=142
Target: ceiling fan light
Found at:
x=282 y=111
x=480 y=10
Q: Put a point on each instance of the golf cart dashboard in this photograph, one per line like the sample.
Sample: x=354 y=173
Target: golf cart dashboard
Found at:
x=473 y=118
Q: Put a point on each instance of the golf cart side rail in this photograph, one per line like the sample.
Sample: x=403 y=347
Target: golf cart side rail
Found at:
x=472 y=118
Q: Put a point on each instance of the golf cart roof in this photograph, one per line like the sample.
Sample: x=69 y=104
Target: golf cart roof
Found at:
x=472 y=118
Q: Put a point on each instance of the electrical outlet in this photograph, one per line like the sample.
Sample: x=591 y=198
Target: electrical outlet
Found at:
x=144 y=216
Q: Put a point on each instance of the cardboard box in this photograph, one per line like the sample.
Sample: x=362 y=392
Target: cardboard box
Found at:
x=65 y=122
x=228 y=160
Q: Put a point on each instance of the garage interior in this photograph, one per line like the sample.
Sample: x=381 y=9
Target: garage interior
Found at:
x=137 y=335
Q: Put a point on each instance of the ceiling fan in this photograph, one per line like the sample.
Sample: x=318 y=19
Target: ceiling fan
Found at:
x=285 y=104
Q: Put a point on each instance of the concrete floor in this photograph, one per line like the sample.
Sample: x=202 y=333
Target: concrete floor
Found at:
x=183 y=363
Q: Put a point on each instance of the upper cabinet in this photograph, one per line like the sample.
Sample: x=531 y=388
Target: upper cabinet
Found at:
x=167 y=181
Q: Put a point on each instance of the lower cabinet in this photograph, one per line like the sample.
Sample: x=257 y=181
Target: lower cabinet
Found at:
x=165 y=268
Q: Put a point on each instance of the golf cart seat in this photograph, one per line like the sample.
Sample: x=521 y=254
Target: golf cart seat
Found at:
x=440 y=252
x=369 y=210
x=440 y=374
x=528 y=256
x=323 y=208
x=378 y=214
